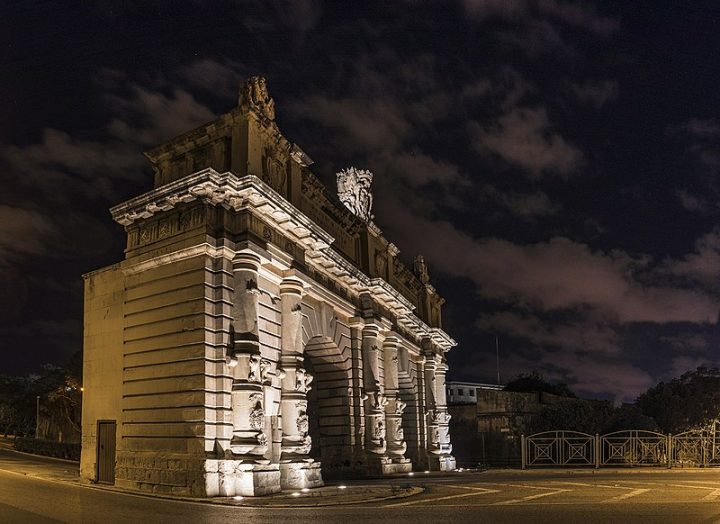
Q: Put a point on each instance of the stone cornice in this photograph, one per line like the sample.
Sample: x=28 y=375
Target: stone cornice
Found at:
x=252 y=194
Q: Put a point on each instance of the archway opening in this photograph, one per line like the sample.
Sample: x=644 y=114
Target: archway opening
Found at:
x=329 y=406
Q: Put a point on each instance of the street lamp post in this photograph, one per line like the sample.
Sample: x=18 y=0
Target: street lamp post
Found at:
x=37 y=418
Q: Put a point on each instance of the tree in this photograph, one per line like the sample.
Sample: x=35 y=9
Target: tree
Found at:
x=60 y=393
x=535 y=382
x=690 y=401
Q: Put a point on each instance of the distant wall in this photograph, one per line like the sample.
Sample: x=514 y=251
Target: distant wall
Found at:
x=488 y=432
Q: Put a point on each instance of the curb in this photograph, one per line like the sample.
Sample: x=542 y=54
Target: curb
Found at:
x=247 y=502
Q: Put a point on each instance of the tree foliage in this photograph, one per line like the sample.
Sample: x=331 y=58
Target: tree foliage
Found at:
x=60 y=399
x=535 y=382
x=590 y=416
x=687 y=402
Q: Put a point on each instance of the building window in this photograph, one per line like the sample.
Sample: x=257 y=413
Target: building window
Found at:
x=472 y=392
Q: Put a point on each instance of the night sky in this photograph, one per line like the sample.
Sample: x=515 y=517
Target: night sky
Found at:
x=556 y=162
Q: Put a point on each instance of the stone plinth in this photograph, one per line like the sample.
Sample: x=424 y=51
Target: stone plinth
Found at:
x=228 y=478
x=395 y=468
x=441 y=463
x=298 y=475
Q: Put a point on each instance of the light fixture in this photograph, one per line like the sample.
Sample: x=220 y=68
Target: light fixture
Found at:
x=238 y=497
x=343 y=486
x=296 y=494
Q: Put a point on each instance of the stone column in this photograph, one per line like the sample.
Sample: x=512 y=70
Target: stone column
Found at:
x=357 y=397
x=297 y=469
x=249 y=441
x=244 y=469
x=396 y=445
x=439 y=447
x=375 y=400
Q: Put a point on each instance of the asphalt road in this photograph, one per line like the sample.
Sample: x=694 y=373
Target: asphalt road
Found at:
x=42 y=490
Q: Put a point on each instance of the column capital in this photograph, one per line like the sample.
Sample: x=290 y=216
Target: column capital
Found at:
x=392 y=340
x=246 y=260
x=292 y=286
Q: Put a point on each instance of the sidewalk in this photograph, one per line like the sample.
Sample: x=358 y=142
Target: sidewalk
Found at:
x=353 y=492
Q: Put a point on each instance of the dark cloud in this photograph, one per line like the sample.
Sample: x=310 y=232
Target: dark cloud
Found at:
x=596 y=93
x=524 y=137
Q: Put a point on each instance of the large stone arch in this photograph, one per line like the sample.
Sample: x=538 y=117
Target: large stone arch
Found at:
x=327 y=356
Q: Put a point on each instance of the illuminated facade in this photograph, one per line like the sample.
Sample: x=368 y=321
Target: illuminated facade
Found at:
x=261 y=332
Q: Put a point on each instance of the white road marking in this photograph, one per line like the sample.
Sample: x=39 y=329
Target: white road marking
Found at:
x=624 y=496
x=713 y=495
x=529 y=497
x=585 y=484
x=476 y=491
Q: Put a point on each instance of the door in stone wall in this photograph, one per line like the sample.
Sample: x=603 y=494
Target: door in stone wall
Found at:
x=106 y=451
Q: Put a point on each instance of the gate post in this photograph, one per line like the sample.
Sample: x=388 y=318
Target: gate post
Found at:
x=523 y=458
x=669 y=450
x=598 y=450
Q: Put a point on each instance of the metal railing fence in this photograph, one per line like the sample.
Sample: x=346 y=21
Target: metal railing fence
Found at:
x=696 y=448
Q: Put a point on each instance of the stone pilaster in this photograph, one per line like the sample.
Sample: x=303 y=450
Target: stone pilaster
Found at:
x=439 y=447
x=396 y=445
x=375 y=400
x=298 y=470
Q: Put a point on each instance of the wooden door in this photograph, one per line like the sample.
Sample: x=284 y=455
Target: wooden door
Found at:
x=106 y=452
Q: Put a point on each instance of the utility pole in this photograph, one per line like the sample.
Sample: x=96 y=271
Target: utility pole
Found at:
x=497 y=359
x=37 y=418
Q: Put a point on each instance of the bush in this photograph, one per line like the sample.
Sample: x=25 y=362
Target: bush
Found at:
x=48 y=448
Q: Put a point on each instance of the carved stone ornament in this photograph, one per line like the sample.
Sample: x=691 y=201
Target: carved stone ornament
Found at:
x=302 y=380
x=251 y=287
x=400 y=406
x=421 y=270
x=302 y=424
x=254 y=369
x=254 y=95
x=441 y=417
x=435 y=436
x=265 y=365
x=379 y=430
x=262 y=439
x=273 y=170
x=354 y=191
x=257 y=415
x=378 y=400
x=380 y=263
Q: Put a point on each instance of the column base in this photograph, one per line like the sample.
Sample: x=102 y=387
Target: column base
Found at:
x=441 y=463
x=298 y=475
x=396 y=467
x=228 y=478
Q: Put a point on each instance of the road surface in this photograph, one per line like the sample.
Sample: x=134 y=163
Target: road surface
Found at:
x=37 y=490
